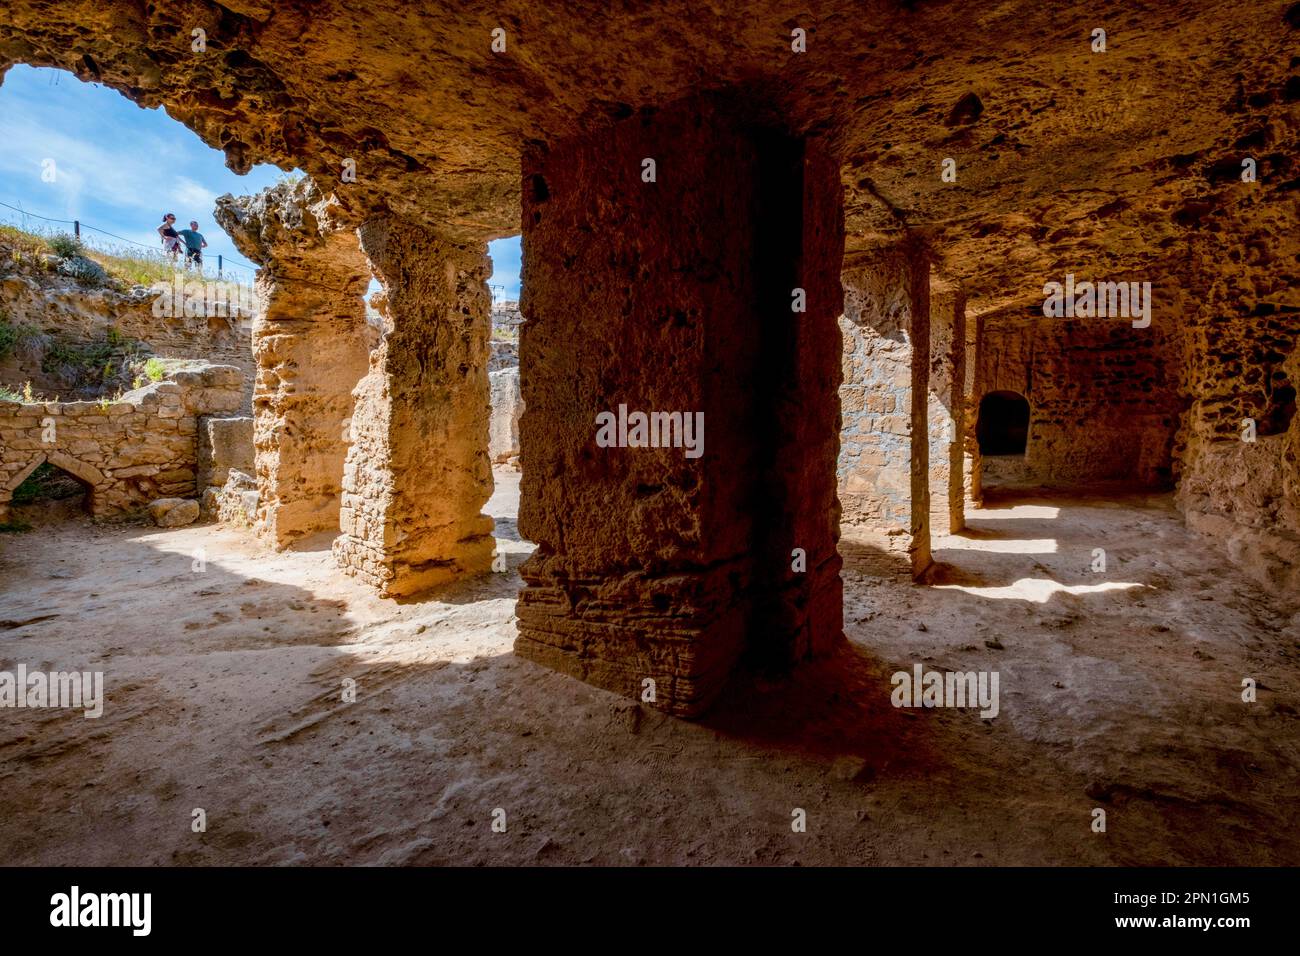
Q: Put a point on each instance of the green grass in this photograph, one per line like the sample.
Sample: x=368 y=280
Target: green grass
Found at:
x=155 y=369
x=65 y=246
x=24 y=250
x=97 y=363
x=12 y=335
x=14 y=527
x=26 y=396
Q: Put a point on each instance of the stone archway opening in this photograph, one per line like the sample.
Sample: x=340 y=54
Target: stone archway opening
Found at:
x=1003 y=425
x=1002 y=434
x=50 y=494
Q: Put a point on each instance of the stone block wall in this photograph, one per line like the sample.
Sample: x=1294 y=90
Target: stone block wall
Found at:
x=128 y=452
x=1104 y=401
x=507 y=407
x=224 y=444
x=310 y=346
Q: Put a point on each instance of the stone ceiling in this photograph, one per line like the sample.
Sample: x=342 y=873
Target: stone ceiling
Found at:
x=1066 y=159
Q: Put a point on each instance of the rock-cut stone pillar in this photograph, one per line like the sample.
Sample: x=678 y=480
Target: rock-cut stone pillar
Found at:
x=947 y=411
x=972 y=465
x=680 y=270
x=417 y=473
x=310 y=346
x=883 y=465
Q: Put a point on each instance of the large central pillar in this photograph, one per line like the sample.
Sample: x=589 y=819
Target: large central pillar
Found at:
x=417 y=472
x=684 y=264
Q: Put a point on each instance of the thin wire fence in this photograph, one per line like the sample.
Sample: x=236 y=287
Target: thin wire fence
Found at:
x=502 y=293
x=155 y=263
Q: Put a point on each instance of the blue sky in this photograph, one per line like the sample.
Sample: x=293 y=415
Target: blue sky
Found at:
x=120 y=167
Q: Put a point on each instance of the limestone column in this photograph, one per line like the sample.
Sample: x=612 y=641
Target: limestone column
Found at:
x=310 y=347
x=883 y=466
x=666 y=261
x=947 y=411
x=972 y=468
x=417 y=473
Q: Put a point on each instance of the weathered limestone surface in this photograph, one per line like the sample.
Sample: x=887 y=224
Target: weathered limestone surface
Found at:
x=947 y=408
x=310 y=345
x=1242 y=361
x=310 y=84
x=223 y=444
x=883 y=466
x=173 y=512
x=128 y=452
x=675 y=296
x=1103 y=395
x=972 y=466
x=507 y=408
x=417 y=472
x=235 y=502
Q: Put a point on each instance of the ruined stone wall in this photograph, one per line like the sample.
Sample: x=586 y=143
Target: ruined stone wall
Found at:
x=310 y=346
x=1103 y=396
x=62 y=308
x=128 y=452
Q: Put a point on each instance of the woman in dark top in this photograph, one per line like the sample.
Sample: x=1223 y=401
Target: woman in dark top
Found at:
x=171 y=239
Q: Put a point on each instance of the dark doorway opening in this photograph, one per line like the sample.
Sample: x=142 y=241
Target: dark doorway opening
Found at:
x=1003 y=425
x=50 y=494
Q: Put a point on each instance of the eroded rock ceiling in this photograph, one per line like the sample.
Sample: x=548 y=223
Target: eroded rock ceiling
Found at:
x=1066 y=158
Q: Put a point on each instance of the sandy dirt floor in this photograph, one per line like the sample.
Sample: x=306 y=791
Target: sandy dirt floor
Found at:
x=1119 y=690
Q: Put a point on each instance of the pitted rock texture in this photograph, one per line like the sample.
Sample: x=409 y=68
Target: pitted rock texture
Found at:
x=675 y=296
x=507 y=408
x=311 y=345
x=1103 y=396
x=1065 y=156
x=417 y=473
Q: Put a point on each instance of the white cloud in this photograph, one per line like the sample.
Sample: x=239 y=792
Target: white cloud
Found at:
x=188 y=195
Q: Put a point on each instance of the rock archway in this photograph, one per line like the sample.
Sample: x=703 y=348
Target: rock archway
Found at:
x=91 y=477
